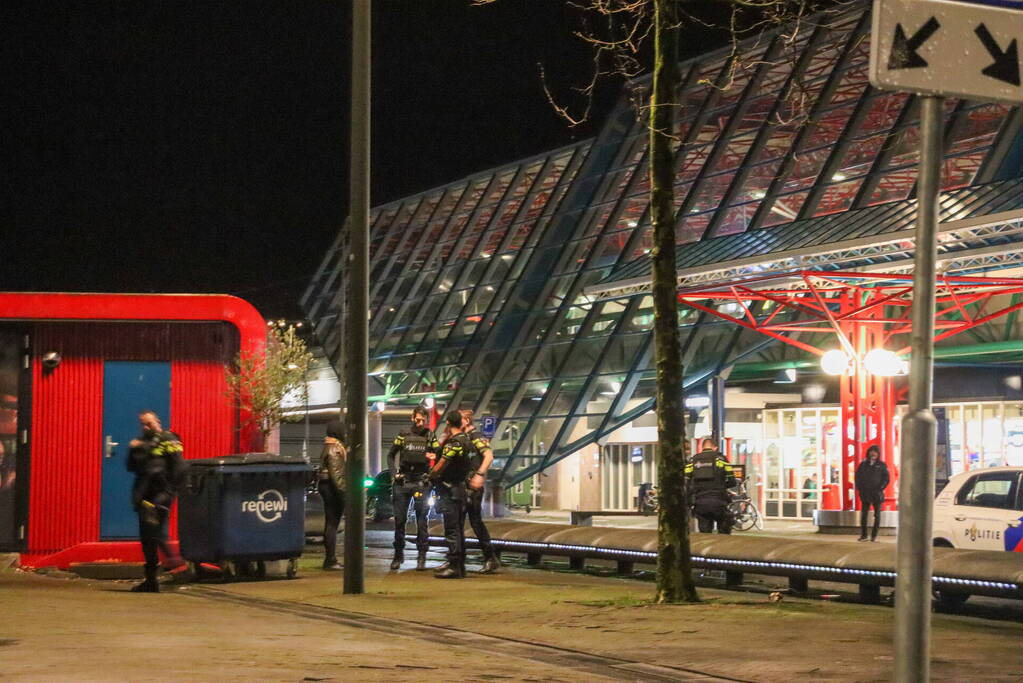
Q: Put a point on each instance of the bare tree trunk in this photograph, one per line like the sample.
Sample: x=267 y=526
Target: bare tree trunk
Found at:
x=674 y=576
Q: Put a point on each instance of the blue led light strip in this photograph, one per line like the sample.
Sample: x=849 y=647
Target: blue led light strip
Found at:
x=706 y=560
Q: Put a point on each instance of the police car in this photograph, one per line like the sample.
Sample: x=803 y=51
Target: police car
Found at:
x=981 y=510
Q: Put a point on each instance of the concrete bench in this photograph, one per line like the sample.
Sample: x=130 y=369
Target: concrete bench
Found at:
x=868 y=566
x=585 y=517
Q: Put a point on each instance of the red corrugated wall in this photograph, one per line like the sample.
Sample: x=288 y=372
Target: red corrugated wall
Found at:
x=67 y=413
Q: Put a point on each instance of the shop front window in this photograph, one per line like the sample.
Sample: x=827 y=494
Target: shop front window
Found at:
x=802 y=452
x=1014 y=435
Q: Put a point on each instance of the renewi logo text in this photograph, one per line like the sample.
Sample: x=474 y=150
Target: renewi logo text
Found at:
x=269 y=506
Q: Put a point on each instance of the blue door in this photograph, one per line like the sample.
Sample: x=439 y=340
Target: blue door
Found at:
x=129 y=388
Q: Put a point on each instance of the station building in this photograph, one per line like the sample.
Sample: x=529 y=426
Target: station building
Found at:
x=522 y=292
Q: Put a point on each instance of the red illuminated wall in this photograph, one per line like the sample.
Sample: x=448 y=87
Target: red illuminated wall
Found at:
x=67 y=412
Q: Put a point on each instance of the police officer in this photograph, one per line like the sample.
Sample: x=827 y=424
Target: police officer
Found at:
x=449 y=475
x=479 y=463
x=409 y=460
x=157 y=463
x=710 y=477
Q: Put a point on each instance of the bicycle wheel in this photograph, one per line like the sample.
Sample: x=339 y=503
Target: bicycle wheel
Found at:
x=744 y=515
x=758 y=519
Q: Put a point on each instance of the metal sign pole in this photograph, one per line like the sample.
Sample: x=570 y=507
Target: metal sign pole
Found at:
x=919 y=428
x=357 y=304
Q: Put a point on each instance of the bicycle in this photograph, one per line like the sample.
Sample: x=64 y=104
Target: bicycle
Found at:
x=745 y=514
x=646 y=502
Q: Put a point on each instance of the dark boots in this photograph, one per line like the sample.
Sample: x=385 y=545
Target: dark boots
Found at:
x=421 y=561
x=490 y=565
x=450 y=571
x=150 y=585
x=399 y=557
x=331 y=563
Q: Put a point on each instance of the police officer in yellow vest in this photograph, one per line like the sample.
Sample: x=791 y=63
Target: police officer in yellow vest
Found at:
x=710 y=476
x=156 y=460
x=450 y=473
x=409 y=460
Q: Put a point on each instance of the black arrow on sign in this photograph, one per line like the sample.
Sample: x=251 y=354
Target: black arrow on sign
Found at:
x=903 y=55
x=1006 y=66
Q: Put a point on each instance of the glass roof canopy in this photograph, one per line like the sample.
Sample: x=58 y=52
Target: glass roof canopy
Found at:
x=479 y=289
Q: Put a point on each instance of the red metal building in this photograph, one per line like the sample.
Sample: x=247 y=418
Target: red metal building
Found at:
x=75 y=369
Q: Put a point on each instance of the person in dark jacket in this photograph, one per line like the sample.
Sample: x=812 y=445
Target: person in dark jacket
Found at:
x=409 y=461
x=450 y=473
x=331 y=485
x=480 y=460
x=155 y=458
x=871 y=481
x=710 y=476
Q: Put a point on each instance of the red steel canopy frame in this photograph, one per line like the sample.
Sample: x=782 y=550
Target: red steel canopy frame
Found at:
x=865 y=311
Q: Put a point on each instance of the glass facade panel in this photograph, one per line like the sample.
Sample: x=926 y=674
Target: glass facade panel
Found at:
x=489 y=274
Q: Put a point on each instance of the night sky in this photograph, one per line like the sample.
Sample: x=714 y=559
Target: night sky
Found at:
x=183 y=146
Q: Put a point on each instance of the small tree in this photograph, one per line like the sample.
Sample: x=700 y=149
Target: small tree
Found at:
x=260 y=383
x=619 y=31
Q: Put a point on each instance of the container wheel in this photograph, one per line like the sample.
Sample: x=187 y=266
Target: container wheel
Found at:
x=292 y=570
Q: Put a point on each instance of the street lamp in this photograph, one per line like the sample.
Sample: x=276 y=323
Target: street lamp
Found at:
x=835 y=362
x=880 y=362
x=884 y=363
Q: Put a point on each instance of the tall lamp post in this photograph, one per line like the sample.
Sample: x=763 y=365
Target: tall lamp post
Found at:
x=357 y=301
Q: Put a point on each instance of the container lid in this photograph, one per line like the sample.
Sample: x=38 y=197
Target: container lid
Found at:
x=241 y=459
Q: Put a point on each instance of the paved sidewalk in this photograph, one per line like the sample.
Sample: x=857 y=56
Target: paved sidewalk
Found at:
x=518 y=625
x=59 y=629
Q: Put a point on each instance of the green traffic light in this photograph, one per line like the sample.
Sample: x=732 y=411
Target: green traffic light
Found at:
x=367 y=482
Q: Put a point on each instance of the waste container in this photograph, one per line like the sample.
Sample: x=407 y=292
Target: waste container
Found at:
x=241 y=511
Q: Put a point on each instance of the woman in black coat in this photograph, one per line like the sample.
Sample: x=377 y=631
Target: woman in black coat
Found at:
x=871 y=481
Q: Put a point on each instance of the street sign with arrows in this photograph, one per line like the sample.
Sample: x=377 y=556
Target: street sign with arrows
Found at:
x=957 y=49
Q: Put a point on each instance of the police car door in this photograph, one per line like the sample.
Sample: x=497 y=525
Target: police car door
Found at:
x=986 y=513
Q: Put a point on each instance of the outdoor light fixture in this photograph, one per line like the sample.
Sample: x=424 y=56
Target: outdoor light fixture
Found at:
x=884 y=363
x=814 y=393
x=880 y=362
x=835 y=361
x=786 y=376
x=428 y=402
